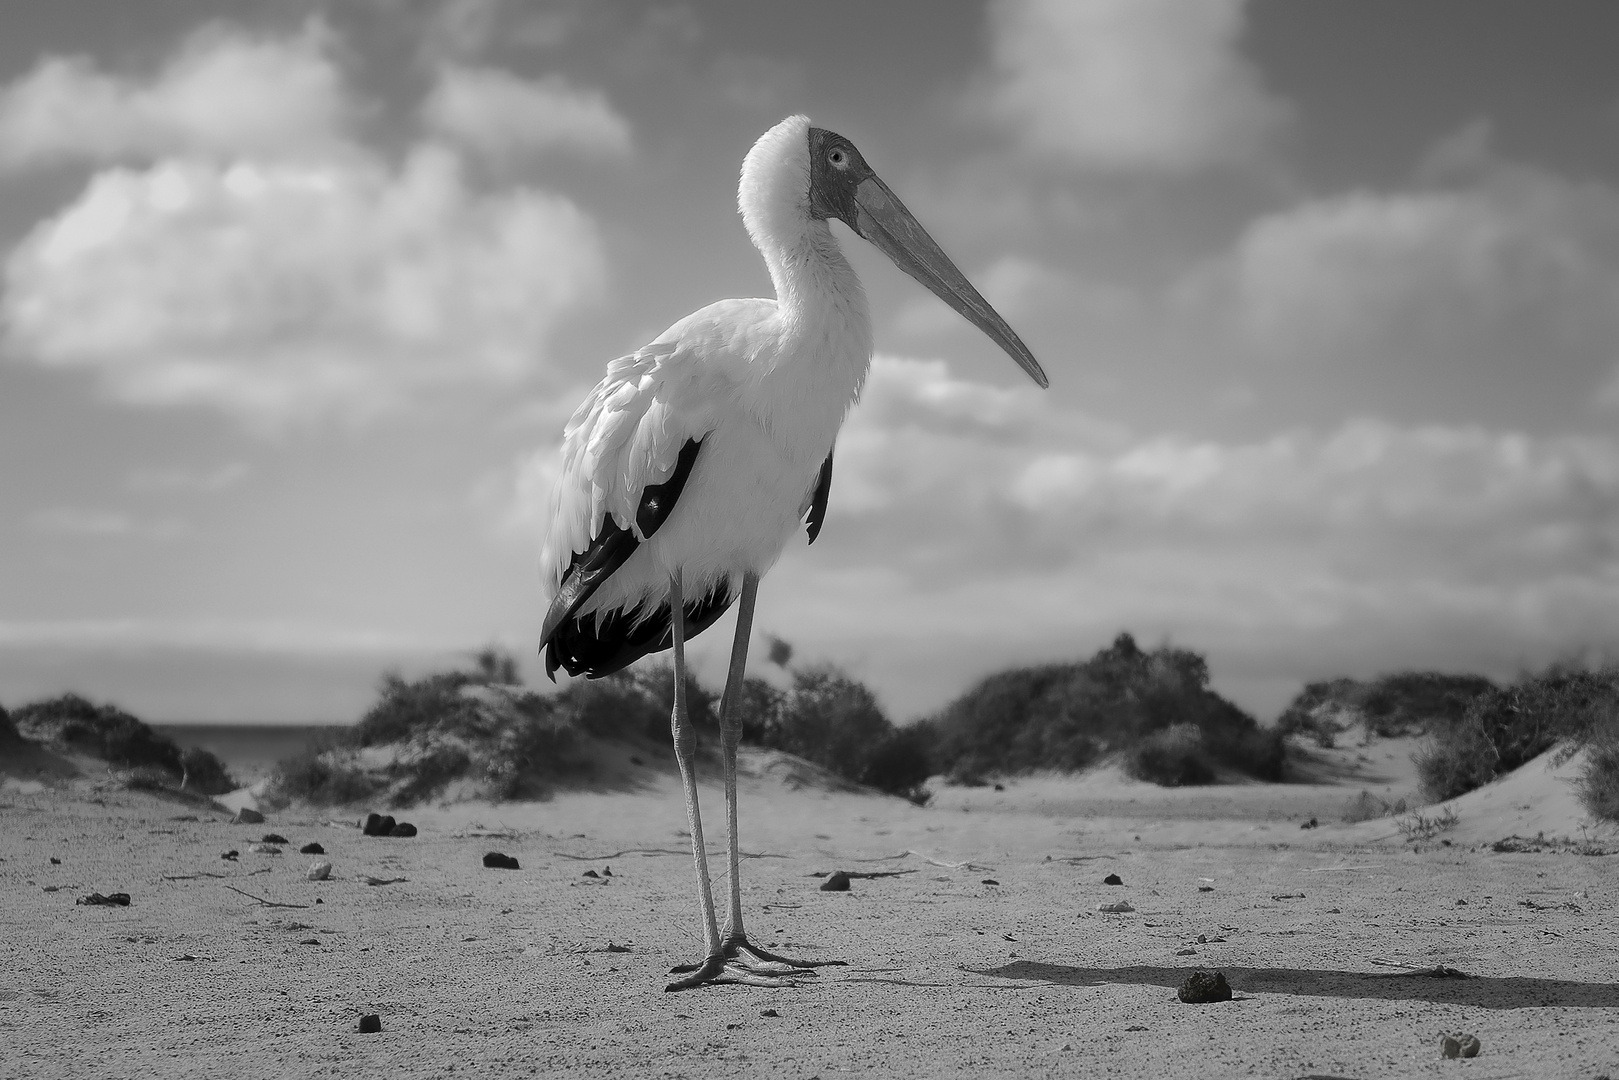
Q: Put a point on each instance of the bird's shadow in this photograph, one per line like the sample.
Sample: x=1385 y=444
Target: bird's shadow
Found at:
x=1490 y=993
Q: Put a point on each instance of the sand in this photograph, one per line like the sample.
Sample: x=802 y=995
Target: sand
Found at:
x=989 y=958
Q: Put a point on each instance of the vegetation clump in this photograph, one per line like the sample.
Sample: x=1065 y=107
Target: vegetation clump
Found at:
x=1404 y=703
x=153 y=760
x=1153 y=706
x=1506 y=727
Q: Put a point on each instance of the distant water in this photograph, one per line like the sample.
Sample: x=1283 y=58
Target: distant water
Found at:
x=250 y=752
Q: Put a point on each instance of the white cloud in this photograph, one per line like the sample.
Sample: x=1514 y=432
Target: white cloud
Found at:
x=89 y=522
x=1129 y=84
x=285 y=291
x=1508 y=286
x=226 y=92
x=505 y=117
x=170 y=481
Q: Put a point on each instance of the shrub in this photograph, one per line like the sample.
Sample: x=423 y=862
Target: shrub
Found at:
x=1504 y=728
x=535 y=754
x=311 y=775
x=1599 y=784
x=201 y=771
x=1064 y=716
x=429 y=774
x=1172 y=757
x=1388 y=706
x=900 y=763
x=405 y=708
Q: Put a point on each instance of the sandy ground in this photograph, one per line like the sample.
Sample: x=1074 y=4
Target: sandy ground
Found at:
x=989 y=958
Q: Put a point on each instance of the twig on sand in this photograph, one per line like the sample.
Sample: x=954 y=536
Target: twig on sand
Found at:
x=262 y=900
x=192 y=877
x=859 y=874
x=1325 y=869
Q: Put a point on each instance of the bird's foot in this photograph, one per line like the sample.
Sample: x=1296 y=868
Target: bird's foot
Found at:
x=739 y=961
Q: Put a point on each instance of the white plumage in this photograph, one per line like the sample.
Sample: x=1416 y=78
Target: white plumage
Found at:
x=690 y=465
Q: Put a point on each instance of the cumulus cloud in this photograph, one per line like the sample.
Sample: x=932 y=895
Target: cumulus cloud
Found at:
x=1129 y=84
x=1504 y=288
x=505 y=117
x=287 y=291
x=225 y=92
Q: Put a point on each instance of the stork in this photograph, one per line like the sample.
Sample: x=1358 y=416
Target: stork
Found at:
x=690 y=465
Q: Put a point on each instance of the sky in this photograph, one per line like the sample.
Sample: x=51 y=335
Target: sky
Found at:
x=295 y=298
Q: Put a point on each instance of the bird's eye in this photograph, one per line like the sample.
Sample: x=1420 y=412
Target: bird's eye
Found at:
x=838 y=157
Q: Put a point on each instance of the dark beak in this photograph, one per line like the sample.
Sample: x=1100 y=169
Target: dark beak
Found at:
x=883 y=220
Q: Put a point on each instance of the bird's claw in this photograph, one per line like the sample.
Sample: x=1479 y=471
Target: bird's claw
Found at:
x=742 y=963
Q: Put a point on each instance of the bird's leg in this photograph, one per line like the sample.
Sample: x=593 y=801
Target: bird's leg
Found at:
x=685 y=745
x=741 y=961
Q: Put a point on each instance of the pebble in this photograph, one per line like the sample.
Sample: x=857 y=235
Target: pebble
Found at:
x=273 y=838
x=497 y=861
x=1203 y=987
x=95 y=899
x=591 y=873
x=402 y=828
x=311 y=849
x=768 y=1012
x=369 y=1023
x=1113 y=879
x=247 y=816
x=232 y=855
x=378 y=825
x=1459 y=1046
x=1118 y=908
x=836 y=881
x=319 y=871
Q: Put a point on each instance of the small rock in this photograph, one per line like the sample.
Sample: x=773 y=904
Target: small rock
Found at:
x=231 y=855
x=1203 y=987
x=836 y=881
x=1311 y=824
x=310 y=941
x=607 y=871
x=319 y=871
x=369 y=1024
x=311 y=849
x=55 y=861
x=1000 y=787
x=273 y=838
x=1186 y=952
x=1117 y=908
x=1287 y=896
x=1136 y=1027
x=1205 y=888
x=95 y=899
x=1113 y=879
x=990 y=881
x=1459 y=1046
x=247 y=816
x=497 y=861
x=378 y=825
x=402 y=828
x=591 y=873
x=768 y=1012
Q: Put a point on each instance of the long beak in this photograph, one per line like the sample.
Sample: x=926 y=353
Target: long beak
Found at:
x=883 y=220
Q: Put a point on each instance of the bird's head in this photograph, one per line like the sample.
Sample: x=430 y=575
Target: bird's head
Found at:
x=797 y=173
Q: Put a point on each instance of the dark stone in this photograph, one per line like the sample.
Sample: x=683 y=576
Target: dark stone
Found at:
x=990 y=881
x=1000 y=787
x=231 y=855
x=403 y=828
x=1113 y=879
x=273 y=838
x=311 y=849
x=55 y=861
x=378 y=825
x=836 y=881
x=1311 y=824
x=1203 y=987
x=370 y=1023
x=95 y=899
x=497 y=861
x=591 y=873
